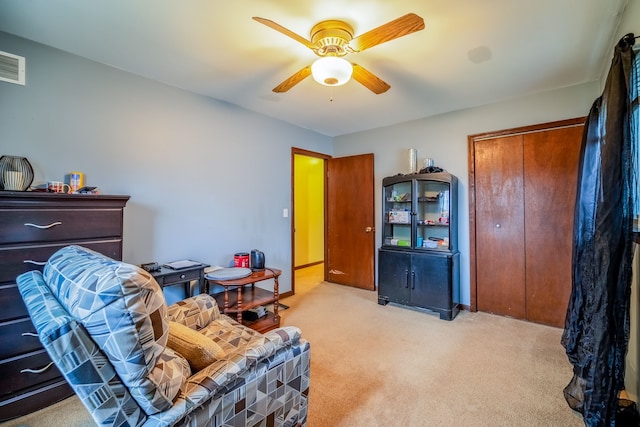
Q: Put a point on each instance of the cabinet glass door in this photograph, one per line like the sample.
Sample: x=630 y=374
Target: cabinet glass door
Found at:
x=432 y=215
x=397 y=214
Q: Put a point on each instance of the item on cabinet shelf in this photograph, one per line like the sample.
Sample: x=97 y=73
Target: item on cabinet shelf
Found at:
x=399 y=217
x=58 y=187
x=254 y=313
x=431 y=169
x=16 y=173
x=428 y=162
x=432 y=196
x=76 y=181
x=241 y=259
x=420 y=241
x=257 y=260
x=413 y=160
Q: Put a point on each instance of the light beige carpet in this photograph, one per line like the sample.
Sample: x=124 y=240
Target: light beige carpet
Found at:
x=377 y=365
x=391 y=366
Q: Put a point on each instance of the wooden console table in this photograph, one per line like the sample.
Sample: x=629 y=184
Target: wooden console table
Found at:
x=248 y=297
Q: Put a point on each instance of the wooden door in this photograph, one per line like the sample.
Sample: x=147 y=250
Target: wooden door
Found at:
x=550 y=177
x=499 y=213
x=350 y=222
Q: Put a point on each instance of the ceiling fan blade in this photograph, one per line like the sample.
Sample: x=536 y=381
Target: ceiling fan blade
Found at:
x=369 y=80
x=293 y=80
x=407 y=24
x=286 y=32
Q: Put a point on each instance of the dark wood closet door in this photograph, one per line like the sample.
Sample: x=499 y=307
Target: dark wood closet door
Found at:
x=521 y=205
x=499 y=214
x=550 y=179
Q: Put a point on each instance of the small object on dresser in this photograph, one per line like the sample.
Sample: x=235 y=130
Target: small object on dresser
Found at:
x=178 y=265
x=76 y=181
x=150 y=266
x=16 y=173
x=87 y=190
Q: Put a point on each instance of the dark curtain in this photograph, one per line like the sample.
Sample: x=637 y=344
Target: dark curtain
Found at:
x=596 y=330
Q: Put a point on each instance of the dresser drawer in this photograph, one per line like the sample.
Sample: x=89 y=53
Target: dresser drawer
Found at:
x=11 y=304
x=32 y=400
x=13 y=380
x=12 y=332
x=178 y=277
x=15 y=260
x=48 y=225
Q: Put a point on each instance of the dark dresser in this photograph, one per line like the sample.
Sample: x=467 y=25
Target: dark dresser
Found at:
x=32 y=227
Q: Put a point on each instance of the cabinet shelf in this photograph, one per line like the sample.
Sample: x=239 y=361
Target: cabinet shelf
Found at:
x=252 y=296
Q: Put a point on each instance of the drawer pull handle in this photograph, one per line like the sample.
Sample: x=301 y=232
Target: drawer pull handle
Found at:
x=30 y=261
x=182 y=276
x=29 y=334
x=42 y=227
x=36 y=371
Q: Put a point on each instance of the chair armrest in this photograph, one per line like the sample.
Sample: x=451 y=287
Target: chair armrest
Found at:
x=284 y=336
x=195 y=312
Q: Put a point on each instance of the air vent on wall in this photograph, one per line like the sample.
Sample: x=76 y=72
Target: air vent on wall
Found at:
x=12 y=68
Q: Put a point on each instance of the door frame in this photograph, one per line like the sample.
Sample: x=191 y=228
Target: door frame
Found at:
x=324 y=157
x=472 y=188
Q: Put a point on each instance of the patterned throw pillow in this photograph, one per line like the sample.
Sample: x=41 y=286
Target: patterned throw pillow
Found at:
x=199 y=350
x=195 y=312
x=123 y=309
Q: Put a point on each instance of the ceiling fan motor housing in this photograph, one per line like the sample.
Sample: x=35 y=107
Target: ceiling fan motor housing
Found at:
x=332 y=37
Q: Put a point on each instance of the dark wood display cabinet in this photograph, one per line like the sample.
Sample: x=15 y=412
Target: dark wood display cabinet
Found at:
x=32 y=227
x=418 y=262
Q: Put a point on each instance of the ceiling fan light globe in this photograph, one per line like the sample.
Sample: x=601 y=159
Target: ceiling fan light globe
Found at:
x=331 y=71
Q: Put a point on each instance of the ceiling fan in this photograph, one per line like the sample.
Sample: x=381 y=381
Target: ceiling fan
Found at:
x=331 y=40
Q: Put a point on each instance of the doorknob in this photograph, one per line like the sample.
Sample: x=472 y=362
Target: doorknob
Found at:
x=369 y=229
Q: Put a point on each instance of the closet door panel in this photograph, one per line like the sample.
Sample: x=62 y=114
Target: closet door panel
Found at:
x=550 y=180
x=500 y=254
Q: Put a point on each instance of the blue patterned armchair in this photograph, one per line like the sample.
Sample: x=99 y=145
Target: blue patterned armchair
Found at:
x=133 y=361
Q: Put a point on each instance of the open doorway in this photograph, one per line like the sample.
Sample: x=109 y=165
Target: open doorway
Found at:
x=308 y=219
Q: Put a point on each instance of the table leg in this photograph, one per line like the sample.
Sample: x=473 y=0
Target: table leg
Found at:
x=204 y=285
x=239 y=315
x=276 y=316
x=226 y=300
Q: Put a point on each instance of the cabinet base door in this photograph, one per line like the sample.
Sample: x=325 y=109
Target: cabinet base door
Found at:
x=434 y=283
x=394 y=277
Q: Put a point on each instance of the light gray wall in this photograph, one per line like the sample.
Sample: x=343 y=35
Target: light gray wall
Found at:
x=444 y=138
x=206 y=178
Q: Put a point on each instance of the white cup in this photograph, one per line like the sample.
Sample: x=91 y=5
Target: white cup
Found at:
x=58 y=187
x=13 y=180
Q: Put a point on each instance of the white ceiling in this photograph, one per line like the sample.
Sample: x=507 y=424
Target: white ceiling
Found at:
x=471 y=52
